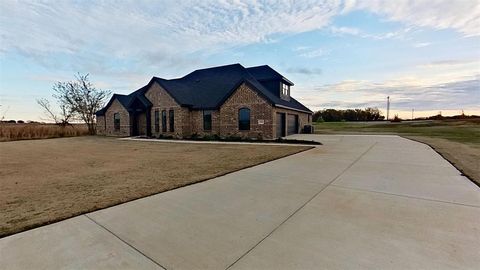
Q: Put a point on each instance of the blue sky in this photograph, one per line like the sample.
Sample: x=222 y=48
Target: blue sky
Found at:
x=425 y=55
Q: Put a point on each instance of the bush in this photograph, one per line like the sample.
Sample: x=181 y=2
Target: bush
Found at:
x=166 y=137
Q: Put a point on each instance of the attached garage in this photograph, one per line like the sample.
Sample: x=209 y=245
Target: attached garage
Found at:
x=280 y=125
x=292 y=124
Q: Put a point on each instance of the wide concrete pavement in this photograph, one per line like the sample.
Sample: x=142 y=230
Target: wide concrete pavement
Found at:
x=357 y=202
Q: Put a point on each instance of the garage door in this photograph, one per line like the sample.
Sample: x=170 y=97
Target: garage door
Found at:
x=292 y=124
x=280 y=125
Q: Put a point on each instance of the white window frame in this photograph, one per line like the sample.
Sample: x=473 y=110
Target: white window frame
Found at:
x=285 y=89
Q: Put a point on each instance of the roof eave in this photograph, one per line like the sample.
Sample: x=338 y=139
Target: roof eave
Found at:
x=288 y=81
x=290 y=108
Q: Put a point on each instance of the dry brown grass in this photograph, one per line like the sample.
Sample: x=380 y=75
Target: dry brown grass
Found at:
x=48 y=180
x=15 y=132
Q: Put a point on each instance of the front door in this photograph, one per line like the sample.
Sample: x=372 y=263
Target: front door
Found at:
x=139 y=124
x=134 y=125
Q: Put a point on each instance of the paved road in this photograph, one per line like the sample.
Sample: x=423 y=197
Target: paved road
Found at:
x=357 y=202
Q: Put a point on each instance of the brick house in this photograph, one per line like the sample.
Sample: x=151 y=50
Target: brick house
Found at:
x=227 y=101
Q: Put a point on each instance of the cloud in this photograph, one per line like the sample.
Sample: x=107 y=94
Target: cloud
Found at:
x=462 y=93
x=448 y=63
x=462 y=16
x=99 y=35
x=309 y=52
x=315 y=53
x=158 y=32
x=304 y=70
x=301 y=48
x=421 y=44
x=345 y=30
x=340 y=31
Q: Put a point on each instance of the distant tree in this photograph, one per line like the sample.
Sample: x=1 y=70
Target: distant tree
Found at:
x=79 y=99
x=317 y=116
x=373 y=114
x=436 y=117
x=396 y=119
x=333 y=115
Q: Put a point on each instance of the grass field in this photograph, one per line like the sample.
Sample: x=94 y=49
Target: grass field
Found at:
x=457 y=140
x=28 y=131
x=48 y=180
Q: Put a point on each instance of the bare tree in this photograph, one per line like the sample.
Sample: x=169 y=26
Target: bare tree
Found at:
x=62 y=118
x=77 y=99
x=2 y=117
x=82 y=97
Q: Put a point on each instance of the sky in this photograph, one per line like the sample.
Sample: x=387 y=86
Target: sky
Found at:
x=425 y=55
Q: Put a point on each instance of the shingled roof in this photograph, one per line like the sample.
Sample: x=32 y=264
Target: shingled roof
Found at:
x=266 y=73
x=209 y=88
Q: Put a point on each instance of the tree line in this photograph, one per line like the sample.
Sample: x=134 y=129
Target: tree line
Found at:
x=333 y=115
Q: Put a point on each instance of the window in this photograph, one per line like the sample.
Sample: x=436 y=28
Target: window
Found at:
x=116 y=121
x=157 y=121
x=285 y=89
x=207 y=120
x=171 y=120
x=164 y=121
x=244 y=119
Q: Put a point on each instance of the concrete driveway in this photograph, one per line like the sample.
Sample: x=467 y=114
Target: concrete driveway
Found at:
x=357 y=202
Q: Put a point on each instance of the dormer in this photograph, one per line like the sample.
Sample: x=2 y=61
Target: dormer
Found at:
x=285 y=90
x=272 y=81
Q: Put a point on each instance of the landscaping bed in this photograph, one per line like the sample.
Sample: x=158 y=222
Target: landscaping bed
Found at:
x=216 y=138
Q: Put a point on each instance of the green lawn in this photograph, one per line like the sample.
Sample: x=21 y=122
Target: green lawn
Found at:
x=462 y=131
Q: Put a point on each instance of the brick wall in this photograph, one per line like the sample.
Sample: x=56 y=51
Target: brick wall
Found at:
x=196 y=123
x=161 y=100
x=100 y=125
x=260 y=109
x=116 y=107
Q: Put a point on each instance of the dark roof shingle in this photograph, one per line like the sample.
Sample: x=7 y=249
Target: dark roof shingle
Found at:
x=209 y=88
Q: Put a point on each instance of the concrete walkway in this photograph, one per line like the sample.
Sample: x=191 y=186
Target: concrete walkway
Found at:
x=357 y=202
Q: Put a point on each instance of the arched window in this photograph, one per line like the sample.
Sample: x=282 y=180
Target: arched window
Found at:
x=244 y=119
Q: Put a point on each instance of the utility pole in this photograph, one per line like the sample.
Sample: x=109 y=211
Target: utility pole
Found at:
x=388 y=106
